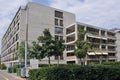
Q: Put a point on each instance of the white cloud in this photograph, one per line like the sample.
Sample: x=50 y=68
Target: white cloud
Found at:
x=8 y=9
x=103 y=13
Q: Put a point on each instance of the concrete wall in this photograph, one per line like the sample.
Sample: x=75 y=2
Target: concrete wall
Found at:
x=118 y=45
x=39 y=18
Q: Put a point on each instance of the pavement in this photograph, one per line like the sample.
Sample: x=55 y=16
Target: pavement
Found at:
x=4 y=75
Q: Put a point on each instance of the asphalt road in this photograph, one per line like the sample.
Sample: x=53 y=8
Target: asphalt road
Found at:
x=6 y=76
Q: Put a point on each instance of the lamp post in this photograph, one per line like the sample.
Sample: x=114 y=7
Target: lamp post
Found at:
x=26 y=39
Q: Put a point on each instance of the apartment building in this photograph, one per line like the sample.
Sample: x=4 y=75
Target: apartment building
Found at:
x=61 y=23
x=37 y=17
x=117 y=31
x=102 y=40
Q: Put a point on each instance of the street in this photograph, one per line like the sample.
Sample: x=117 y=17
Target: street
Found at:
x=6 y=76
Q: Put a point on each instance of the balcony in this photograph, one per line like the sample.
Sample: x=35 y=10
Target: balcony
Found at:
x=112 y=50
x=111 y=41
x=70 y=29
x=70 y=47
x=70 y=38
x=71 y=57
x=111 y=35
x=92 y=31
x=112 y=57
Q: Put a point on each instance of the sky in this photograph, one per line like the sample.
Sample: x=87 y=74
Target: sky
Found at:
x=101 y=13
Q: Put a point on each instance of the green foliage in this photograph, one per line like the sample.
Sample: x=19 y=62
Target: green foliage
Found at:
x=12 y=70
x=21 y=51
x=112 y=63
x=82 y=46
x=2 y=67
x=59 y=46
x=59 y=73
x=38 y=74
x=36 y=51
x=76 y=72
x=47 y=44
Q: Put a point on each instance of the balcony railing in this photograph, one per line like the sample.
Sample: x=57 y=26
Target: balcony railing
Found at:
x=70 y=31
x=71 y=57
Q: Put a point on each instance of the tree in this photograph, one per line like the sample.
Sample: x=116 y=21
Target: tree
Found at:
x=36 y=51
x=47 y=44
x=21 y=51
x=59 y=47
x=82 y=45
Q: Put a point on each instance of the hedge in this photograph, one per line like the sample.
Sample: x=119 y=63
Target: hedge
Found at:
x=76 y=73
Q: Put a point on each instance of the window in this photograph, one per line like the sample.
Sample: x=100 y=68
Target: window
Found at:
x=56 y=21
x=111 y=54
x=18 y=26
x=14 y=23
x=61 y=22
x=58 y=30
x=59 y=37
x=58 y=14
x=17 y=37
x=13 y=39
x=70 y=54
x=17 y=46
x=70 y=47
x=61 y=57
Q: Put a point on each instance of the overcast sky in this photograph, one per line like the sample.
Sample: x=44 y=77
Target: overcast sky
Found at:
x=101 y=13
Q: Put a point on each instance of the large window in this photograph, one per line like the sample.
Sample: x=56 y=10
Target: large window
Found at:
x=58 y=30
x=58 y=14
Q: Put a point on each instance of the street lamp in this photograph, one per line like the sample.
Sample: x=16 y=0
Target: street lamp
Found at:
x=26 y=39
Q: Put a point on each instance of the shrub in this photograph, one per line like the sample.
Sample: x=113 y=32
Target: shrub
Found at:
x=10 y=70
x=2 y=67
x=38 y=74
x=59 y=73
x=75 y=72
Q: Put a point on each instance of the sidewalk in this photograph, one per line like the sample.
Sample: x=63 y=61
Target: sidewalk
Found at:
x=17 y=77
x=14 y=75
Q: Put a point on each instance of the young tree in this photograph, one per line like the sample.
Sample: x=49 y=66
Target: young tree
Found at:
x=82 y=45
x=47 y=44
x=36 y=51
x=21 y=52
x=59 y=47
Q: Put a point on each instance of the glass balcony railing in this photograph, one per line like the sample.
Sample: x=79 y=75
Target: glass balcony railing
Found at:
x=92 y=32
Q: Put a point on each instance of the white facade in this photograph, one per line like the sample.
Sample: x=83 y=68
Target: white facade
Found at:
x=59 y=23
x=118 y=44
x=102 y=40
x=38 y=17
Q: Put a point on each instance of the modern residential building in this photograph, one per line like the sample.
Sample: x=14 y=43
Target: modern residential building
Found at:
x=102 y=40
x=38 y=17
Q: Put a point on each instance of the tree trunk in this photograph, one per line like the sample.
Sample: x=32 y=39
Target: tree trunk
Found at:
x=58 y=60
x=85 y=60
x=49 y=60
x=80 y=61
x=101 y=59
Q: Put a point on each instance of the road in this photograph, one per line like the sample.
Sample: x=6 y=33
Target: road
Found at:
x=6 y=76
